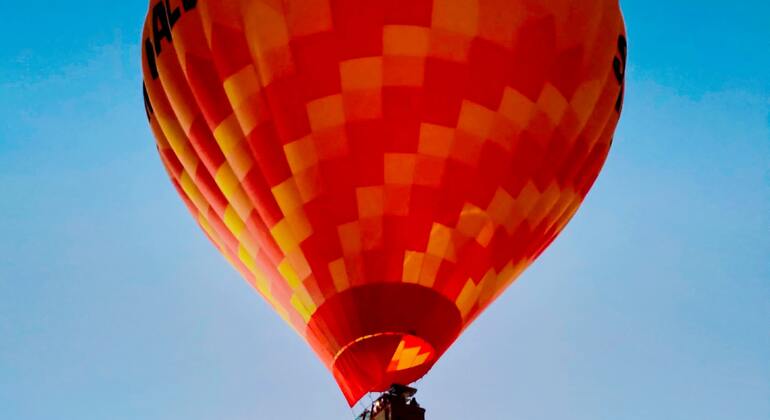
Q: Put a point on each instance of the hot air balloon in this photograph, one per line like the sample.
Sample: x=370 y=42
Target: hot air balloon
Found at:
x=382 y=170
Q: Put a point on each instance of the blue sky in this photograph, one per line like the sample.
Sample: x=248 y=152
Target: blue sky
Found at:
x=654 y=303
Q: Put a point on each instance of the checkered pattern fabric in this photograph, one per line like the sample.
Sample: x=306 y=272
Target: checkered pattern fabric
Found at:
x=381 y=170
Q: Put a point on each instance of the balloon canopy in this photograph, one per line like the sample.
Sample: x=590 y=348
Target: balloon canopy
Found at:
x=381 y=170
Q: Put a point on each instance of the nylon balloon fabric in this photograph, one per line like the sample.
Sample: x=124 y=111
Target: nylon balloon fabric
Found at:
x=380 y=171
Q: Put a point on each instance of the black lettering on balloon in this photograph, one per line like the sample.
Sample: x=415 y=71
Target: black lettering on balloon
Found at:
x=173 y=14
x=164 y=17
x=147 y=104
x=619 y=67
x=149 y=52
x=160 y=26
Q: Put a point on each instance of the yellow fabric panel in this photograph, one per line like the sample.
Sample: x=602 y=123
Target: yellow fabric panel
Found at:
x=288 y=273
x=246 y=258
x=206 y=226
x=227 y=181
x=193 y=193
x=233 y=222
x=468 y=297
x=301 y=308
x=228 y=134
x=242 y=204
x=299 y=263
x=249 y=244
x=284 y=236
x=287 y=196
x=242 y=85
x=177 y=139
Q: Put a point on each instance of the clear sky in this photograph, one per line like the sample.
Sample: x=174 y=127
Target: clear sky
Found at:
x=653 y=304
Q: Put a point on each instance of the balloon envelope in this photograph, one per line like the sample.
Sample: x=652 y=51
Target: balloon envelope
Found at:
x=381 y=170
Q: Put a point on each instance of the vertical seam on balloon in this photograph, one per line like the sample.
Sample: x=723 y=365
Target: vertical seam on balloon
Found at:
x=542 y=232
x=273 y=115
x=201 y=214
x=175 y=61
x=309 y=327
x=593 y=144
x=255 y=166
x=280 y=284
x=544 y=237
x=177 y=179
x=606 y=131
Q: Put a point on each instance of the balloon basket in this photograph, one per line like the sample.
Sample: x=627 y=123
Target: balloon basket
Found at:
x=398 y=403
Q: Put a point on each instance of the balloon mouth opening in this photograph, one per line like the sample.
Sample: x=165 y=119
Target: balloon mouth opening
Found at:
x=412 y=351
x=390 y=357
x=369 y=354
